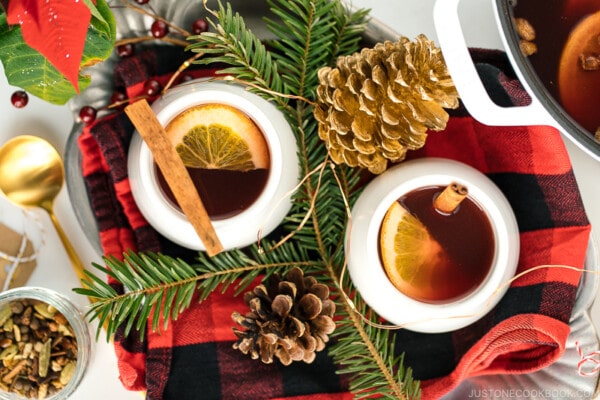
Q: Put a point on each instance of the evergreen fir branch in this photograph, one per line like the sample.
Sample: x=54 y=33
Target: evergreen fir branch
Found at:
x=243 y=267
x=349 y=26
x=330 y=213
x=312 y=33
x=147 y=280
x=245 y=55
x=367 y=353
x=306 y=31
x=154 y=280
x=326 y=237
x=361 y=349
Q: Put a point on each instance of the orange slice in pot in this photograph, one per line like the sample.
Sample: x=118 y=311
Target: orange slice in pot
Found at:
x=580 y=88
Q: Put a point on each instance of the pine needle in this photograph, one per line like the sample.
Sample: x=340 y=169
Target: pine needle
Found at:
x=311 y=34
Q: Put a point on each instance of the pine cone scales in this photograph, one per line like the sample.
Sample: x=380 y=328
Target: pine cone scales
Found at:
x=288 y=319
x=379 y=103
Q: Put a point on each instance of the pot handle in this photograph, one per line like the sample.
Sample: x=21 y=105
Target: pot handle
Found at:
x=464 y=75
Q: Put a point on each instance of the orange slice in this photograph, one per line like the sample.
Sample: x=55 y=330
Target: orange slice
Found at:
x=409 y=254
x=218 y=136
x=580 y=89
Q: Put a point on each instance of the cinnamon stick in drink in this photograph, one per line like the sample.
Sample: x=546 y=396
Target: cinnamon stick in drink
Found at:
x=450 y=198
x=173 y=169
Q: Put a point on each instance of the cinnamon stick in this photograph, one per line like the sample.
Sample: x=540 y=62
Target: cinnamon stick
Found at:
x=175 y=173
x=450 y=198
x=15 y=371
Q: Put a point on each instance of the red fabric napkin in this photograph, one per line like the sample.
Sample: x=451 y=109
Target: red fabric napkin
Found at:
x=525 y=332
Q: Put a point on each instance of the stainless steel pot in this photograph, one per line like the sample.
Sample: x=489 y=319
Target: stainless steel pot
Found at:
x=544 y=109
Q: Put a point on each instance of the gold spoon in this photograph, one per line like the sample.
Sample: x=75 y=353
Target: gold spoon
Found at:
x=32 y=175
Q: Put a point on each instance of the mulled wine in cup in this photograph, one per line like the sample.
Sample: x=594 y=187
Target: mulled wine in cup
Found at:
x=240 y=153
x=432 y=245
x=225 y=154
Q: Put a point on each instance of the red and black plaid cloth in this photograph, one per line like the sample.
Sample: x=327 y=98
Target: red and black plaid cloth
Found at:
x=525 y=332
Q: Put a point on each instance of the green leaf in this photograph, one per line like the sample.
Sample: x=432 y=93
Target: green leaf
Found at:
x=101 y=35
x=96 y=13
x=28 y=69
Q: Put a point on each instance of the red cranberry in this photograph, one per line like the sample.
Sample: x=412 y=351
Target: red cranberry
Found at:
x=159 y=29
x=87 y=114
x=118 y=96
x=19 y=98
x=199 y=26
x=186 y=77
x=142 y=1
x=152 y=87
x=125 y=50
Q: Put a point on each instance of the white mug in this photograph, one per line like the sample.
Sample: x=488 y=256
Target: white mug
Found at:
x=262 y=216
x=365 y=266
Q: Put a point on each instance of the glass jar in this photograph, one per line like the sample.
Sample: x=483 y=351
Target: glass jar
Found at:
x=75 y=319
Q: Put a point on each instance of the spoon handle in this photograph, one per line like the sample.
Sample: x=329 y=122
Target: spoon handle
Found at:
x=71 y=253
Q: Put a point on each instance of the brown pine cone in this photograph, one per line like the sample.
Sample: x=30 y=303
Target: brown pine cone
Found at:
x=379 y=103
x=289 y=319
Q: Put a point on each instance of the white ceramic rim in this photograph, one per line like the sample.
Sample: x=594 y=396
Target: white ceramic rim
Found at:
x=264 y=215
x=367 y=272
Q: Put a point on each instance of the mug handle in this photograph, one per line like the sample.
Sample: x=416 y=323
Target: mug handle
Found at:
x=466 y=79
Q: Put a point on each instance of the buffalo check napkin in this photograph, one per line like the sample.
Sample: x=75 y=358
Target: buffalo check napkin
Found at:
x=526 y=331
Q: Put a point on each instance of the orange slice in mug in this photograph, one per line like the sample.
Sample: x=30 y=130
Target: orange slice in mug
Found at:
x=218 y=136
x=409 y=254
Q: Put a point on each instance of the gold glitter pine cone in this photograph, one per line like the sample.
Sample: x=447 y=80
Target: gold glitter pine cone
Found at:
x=289 y=319
x=379 y=103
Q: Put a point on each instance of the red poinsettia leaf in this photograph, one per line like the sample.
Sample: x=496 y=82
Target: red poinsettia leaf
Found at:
x=55 y=28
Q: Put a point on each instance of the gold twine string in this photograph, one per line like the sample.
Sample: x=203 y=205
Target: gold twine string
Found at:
x=185 y=65
x=591 y=358
x=496 y=292
x=232 y=79
x=320 y=168
x=208 y=9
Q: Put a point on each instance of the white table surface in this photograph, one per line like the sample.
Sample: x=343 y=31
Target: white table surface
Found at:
x=407 y=17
